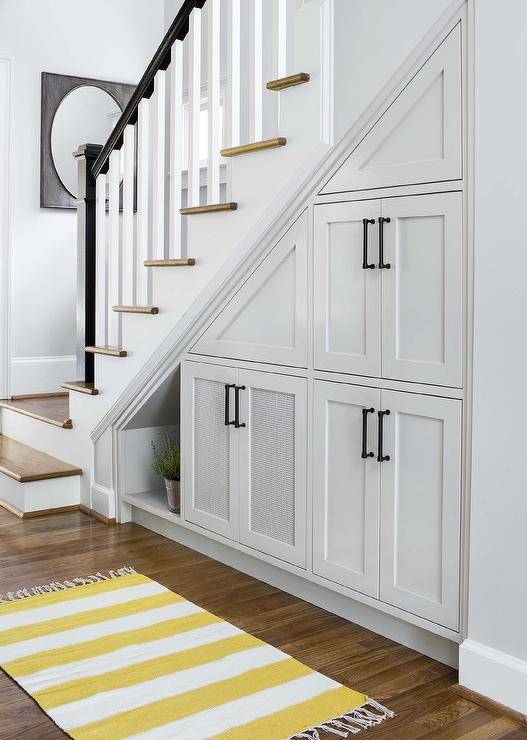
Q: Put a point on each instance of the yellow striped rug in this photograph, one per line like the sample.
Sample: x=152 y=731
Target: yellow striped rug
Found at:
x=120 y=657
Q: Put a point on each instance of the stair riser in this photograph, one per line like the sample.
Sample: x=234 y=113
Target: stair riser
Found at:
x=42 y=495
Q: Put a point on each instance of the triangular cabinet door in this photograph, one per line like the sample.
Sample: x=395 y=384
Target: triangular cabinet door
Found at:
x=266 y=320
x=419 y=137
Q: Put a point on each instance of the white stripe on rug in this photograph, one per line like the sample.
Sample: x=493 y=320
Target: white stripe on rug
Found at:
x=93 y=631
x=241 y=711
x=80 y=605
x=127 y=656
x=109 y=703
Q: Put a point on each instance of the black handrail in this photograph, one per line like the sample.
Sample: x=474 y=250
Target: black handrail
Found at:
x=145 y=88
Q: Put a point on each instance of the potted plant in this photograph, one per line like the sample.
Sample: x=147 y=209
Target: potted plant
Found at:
x=166 y=464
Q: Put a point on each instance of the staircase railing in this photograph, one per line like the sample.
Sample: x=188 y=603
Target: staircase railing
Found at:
x=208 y=75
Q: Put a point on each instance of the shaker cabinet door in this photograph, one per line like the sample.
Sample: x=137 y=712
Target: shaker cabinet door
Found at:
x=420 y=505
x=273 y=461
x=422 y=300
x=347 y=291
x=209 y=448
x=346 y=486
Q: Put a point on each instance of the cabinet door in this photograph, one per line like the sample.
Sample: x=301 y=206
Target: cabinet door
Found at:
x=347 y=294
x=346 y=486
x=209 y=448
x=420 y=505
x=273 y=459
x=422 y=290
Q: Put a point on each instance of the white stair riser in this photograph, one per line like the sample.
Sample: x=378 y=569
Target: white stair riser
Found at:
x=40 y=495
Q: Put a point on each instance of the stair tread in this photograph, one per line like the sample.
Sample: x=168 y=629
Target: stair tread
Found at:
x=25 y=464
x=255 y=146
x=188 y=262
x=210 y=208
x=109 y=351
x=53 y=410
x=77 y=385
x=152 y=310
x=290 y=81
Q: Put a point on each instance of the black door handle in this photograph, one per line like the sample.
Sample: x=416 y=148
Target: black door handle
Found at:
x=237 y=390
x=365 y=454
x=228 y=387
x=365 y=224
x=382 y=264
x=381 y=457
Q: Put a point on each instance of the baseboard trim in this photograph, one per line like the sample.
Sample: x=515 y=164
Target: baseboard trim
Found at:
x=490 y=704
x=96 y=515
x=417 y=638
x=41 y=512
x=498 y=677
x=103 y=502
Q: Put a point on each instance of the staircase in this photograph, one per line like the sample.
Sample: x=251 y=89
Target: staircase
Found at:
x=162 y=207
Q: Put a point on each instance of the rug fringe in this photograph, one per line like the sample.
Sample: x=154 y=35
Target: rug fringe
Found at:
x=350 y=723
x=24 y=593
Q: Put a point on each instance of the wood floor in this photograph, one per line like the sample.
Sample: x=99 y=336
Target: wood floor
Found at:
x=38 y=551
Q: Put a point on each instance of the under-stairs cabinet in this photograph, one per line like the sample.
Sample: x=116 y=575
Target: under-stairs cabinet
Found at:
x=388 y=288
x=245 y=442
x=387 y=483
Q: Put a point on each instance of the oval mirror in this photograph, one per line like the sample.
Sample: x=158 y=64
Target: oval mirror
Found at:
x=86 y=114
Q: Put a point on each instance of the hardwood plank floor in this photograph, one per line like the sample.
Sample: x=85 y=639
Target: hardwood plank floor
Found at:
x=38 y=551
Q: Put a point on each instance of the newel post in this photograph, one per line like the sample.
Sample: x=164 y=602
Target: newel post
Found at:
x=86 y=203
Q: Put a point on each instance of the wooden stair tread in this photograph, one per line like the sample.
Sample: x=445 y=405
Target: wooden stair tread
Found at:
x=256 y=146
x=52 y=409
x=25 y=464
x=290 y=81
x=211 y=208
x=108 y=351
x=188 y=262
x=152 y=310
x=80 y=387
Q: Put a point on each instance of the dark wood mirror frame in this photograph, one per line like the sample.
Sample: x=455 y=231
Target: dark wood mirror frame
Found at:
x=54 y=88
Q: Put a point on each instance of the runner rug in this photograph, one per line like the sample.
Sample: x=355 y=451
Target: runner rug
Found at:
x=119 y=655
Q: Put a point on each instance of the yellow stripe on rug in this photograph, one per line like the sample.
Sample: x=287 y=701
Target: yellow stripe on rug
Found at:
x=126 y=657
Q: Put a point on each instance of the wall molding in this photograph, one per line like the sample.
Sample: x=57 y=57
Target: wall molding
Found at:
x=102 y=502
x=40 y=374
x=6 y=175
x=493 y=674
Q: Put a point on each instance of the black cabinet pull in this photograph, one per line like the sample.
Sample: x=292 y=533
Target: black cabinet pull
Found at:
x=382 y=264
x=228 y=387
x=365 y=224
x=381 y=457
x=237 y=390
x=365 y=454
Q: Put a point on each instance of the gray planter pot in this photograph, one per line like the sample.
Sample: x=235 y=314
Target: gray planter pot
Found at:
x=173 y=495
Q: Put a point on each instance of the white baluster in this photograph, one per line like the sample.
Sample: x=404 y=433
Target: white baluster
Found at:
x=213 y=87
x=158 y=103
x=284 y=39
x=101 y=296
x=114 y=251
x=176 y=148
x=233 y=101
x=129 y=257
x=257 y=81
x=144 y=276
x=194 y=106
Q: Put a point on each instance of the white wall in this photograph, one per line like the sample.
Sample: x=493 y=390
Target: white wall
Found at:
x=494 y=659
x=5 y=137
x=171 y=10
x=107 y=39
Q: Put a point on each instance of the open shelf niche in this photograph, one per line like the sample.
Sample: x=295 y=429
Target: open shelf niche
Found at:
x=141 y=487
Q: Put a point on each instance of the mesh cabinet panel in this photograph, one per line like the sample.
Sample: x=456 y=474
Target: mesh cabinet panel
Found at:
x=272 y=466
x=211 y=449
